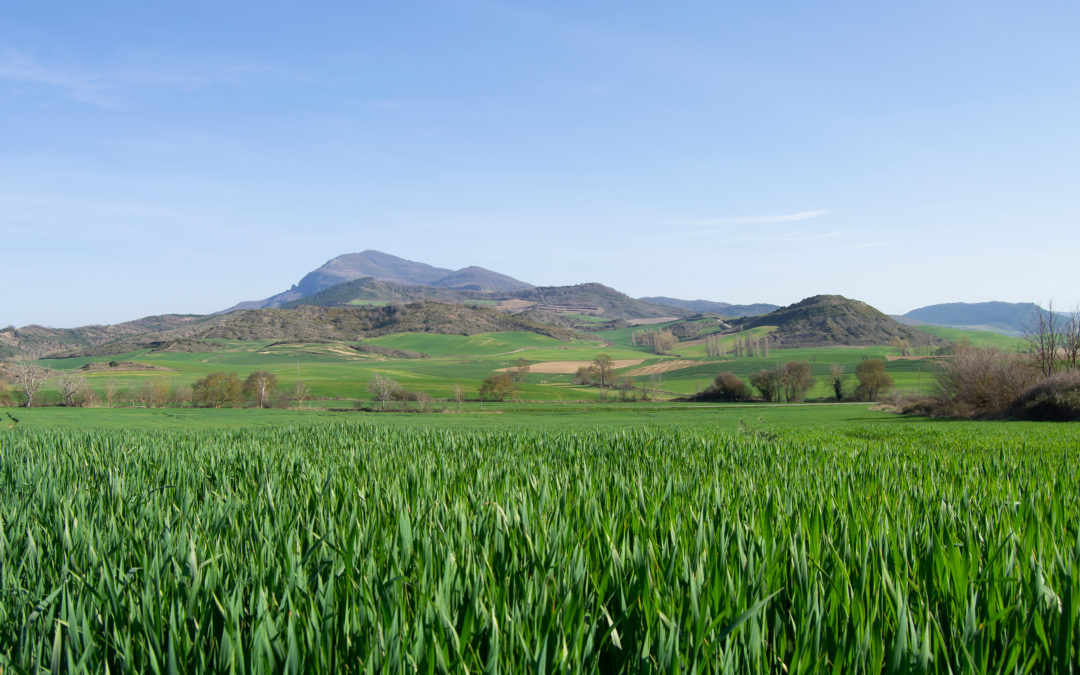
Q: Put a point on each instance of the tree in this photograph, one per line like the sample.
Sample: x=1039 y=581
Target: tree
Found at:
x=423 y=401
x=217 y=389
x=383 y=389
x=902 y=345
x=873 y=380
x=603 y=368
x=1070 y=339
x=29 y=377
x=497 y=387
x=836 y=379
x=519 y=370
x=259 y=385
x=727 y=387
x=73 y=389
x=300 y=393
x=796 y=379
x=1041 y=337
x=112 y=392
x=767 y=382
x=156 y=392
x=584 y=375
x=459 y=394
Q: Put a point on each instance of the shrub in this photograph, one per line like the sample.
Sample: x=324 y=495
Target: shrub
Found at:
x=873 y=380
x=982 y=383
x=1054 y=399
x=726 y=387
x=767 y=382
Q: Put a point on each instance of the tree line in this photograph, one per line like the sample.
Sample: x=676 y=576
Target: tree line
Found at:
x=792 y=380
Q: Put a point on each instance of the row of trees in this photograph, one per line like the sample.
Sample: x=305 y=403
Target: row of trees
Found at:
x=742 y=346
x=661 y=341
x=792 y=380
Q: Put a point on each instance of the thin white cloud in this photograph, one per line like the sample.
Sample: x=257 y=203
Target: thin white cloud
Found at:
x=803 y=236
x=104 y=87
x=758 y=220
x=873 y=244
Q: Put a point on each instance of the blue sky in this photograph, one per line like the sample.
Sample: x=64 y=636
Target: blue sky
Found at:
x=183 y=156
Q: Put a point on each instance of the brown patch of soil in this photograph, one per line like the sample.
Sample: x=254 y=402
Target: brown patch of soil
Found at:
x=668 y=366
x=571 y=367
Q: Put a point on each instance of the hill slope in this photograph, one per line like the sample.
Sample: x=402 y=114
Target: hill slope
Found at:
x=316 y=324
x=833 y=320
x=1007 y=318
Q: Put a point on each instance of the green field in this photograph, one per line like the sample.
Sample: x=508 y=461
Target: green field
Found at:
x=336 y=373
x=541 y=538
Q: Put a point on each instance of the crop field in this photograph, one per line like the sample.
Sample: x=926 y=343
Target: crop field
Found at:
x=842 y=541
x=336 y=371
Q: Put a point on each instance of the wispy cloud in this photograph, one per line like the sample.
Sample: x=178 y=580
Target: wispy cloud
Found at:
x=873 y=244
x=805 y=236
x=105 y=87
x=758 y=220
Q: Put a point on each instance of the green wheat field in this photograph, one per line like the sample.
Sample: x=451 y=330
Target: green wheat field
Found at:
x=843 y=541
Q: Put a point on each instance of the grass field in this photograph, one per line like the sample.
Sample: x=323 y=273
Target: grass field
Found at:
x=335 y=372
x=543 y=538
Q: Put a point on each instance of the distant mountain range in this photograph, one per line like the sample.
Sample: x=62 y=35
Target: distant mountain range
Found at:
x=386 y=267
x=710 y=307
x=1007 y=318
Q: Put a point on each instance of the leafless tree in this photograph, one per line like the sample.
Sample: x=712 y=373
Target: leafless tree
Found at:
x=902 y=345
x=796 y=379
x=29 y=377
x=300 y=393
x=383 y=389
x=1042 y=337
x=423 y=401
x=73 y=388
x=1070 y=339
x=112 y=392
x=604 y=370
x=459 y=394
x=259 y=385
x=519 y=370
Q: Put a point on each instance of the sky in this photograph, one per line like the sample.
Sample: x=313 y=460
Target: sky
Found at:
x=180 y=157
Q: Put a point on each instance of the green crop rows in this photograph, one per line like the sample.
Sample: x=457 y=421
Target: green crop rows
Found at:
x=351 y=547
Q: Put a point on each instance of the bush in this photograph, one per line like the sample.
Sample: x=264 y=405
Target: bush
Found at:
x=982 y=383
x=1053 y=399
x=726 y=387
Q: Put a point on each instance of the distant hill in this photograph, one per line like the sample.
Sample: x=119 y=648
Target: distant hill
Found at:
x=833 y=320
x=1006 y=318
x=709 y=307
x=548 y=304
x=315 y=324
x=34 y=341
x=386 y=267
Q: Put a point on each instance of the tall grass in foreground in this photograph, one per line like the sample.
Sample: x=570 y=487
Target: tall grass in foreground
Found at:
x=357 y=548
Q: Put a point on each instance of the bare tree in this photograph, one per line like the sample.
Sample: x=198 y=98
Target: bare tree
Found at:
x=1042 y=339
x=902 y=345
x=796 y=379
x=603 y=368
x=73 y=388
x=459 y=394
x=383 y=389
x=112 y=392
x=258 y=385
x=423 y=401
x=300 y=393
x=1070 y=339
x=29 y=377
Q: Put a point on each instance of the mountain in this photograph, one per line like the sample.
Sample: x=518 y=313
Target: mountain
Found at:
x=710 y=307
x=479 y=279
x=1007 y=318
x=548 y=304
x=833 y=320
x=386 y=267
x=35 y=341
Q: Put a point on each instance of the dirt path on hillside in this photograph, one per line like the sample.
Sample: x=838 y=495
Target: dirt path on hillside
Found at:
x=571 y=367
